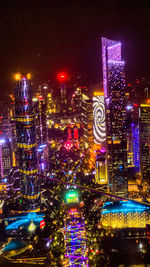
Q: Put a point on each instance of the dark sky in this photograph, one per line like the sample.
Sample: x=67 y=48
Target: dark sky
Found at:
x=45 y=37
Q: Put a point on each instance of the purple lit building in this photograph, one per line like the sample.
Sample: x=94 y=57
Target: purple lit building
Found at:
x=115 y=99
x=136 y=146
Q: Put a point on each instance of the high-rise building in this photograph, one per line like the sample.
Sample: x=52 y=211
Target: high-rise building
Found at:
x=39 y=107
x=26 y=142
x=87 y=120
x=99 y=132
x=101 y=168
x=136 y=146
x=99 y=122
x=5 y=127
x=145 y=142
x=62 y=77
x=115 y=99
x=5 y=156
x=7 y=131
x=76 y=100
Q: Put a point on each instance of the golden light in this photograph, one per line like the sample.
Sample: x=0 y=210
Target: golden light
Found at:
x=18 y=76
x=98 y=93
x=29 y=76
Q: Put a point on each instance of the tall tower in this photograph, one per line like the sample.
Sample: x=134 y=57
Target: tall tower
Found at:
x=26 y=142
x=87 y=120
x=99 y=131
x=62 y=77
x=115 y=99
x=145 y=142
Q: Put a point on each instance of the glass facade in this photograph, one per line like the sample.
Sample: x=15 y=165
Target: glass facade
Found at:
x=145 y=141
x=115 y=99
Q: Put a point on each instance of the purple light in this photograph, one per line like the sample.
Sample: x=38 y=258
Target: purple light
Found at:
x=103 y=150
x=115 y=62
x=42 y=146
x=111 y=51
x=113 y=46
x=2 y=141
x=114 y=89
x=76 y=257
x=129 y=107
x=136 y=146
x=42 y=166
x=75 y=240
x=48 y=243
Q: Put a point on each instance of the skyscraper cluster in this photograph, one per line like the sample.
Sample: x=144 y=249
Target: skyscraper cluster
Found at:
x=109 y=123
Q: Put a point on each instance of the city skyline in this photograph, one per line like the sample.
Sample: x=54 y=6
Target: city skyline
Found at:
x=74 y=134
x=70 y=38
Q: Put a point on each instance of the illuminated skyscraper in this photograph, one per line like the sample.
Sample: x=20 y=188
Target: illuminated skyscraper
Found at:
x=76 y=101
x=101 y=168
x=133 y=145
x=62 y=77
x=39 y=108
x=99 y=123
x=5 y=156
x=87 y=120
x=26 y=142
x=145 y=141
x=99 y=132
x=115 y=99
x=136 y=146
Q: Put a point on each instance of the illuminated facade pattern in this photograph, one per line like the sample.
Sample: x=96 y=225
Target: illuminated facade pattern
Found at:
x=145 y=141
x=136 y=146
x=75 y=240
x=99 y=126
x=115 y=99
x=125 y=214
x=26 y=142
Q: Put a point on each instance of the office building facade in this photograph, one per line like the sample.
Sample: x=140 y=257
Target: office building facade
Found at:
x=115 y=100
x=145 y=142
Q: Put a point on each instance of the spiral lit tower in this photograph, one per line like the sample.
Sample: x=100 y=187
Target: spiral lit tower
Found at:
x=26 y=142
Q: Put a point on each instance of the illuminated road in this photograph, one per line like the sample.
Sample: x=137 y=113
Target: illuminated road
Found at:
x=75 y=239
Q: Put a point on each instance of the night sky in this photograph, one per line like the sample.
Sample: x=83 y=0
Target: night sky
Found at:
x=45 y=37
